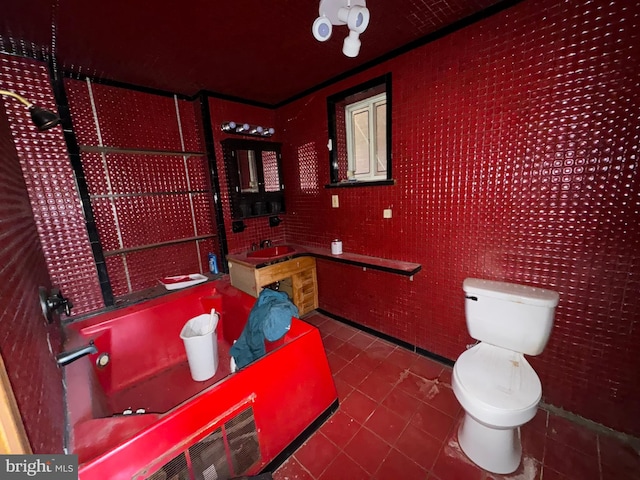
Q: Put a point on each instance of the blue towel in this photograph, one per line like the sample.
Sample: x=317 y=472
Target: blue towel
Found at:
x=270 y=319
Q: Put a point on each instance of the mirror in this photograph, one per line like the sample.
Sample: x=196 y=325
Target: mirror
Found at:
x=254 y=177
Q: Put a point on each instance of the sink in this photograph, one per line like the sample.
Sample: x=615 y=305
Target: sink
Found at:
x=271 y=252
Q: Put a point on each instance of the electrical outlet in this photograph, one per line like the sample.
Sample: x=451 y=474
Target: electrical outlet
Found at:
x=335 y=203
x=386 y=213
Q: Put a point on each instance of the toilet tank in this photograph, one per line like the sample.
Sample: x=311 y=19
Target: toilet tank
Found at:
x=511 y=316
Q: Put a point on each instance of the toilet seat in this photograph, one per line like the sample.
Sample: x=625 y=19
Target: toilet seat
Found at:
x=496 y=386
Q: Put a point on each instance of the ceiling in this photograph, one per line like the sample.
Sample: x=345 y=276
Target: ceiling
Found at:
x=261 y=51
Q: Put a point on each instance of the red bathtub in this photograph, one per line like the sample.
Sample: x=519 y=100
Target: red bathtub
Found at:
x=230 y=425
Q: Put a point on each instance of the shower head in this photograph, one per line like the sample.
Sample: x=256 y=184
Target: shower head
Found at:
x=42 y=118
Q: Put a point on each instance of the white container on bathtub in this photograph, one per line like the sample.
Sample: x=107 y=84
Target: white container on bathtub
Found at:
x=201 y=343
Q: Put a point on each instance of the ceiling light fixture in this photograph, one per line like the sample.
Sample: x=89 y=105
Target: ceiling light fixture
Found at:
x=42 y=118
x=352 y=13
x=246 y=129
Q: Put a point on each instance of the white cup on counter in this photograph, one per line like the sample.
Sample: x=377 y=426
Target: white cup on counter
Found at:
x=336 y=247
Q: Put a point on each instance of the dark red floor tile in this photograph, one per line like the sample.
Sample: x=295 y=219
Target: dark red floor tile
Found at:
x=386 y=424
x=343 y=468
x=401 y=357
x=550 y=474
x=343 y=388
x=353 y=375
x=426 y=368
x=344 y=332
x=401 y=403
x=418 y=445
x=362 y=340
x=433 y=421
x=347 y=351
x=331 y=342
x=576 y=436
x=375 y=387
x=445 y=376
x=315 y=319
x=358 y=406
x=336 y=363
x=398 y=466
x=618 y=472
x=367 y=450
x=316 y=454
x=441 y=397
x=390 y=372
x=366 y=361
x=291 y=470
x=529 y=469
x=532 y=443
x=453 y=464
x=539 y=422
x=340 y=428
x=619 y=456
x=570 y=462
x=380 y=349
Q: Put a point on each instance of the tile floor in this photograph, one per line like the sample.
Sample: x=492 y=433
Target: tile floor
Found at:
x=398 y=420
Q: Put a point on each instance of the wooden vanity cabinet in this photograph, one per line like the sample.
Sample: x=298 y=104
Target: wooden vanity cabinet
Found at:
x=297 y=277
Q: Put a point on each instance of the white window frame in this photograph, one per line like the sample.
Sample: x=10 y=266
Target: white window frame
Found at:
x=368 y=104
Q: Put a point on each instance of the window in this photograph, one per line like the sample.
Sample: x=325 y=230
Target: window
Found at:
x=360 y=134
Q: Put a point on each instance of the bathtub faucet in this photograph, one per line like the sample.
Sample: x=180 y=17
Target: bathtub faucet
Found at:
x=265 y=243
x=66 y=358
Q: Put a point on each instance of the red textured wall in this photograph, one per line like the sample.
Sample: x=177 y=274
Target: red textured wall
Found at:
x=257 y=229
x=51 y=186
x=515 y=155
x=24 y=334
x=141 y=199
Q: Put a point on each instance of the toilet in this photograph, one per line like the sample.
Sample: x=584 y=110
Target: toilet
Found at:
x=492 y=380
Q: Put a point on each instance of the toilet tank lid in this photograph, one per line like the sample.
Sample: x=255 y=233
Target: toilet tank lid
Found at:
x=511 y=292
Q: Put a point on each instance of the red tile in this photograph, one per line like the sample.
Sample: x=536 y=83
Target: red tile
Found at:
x=453 y=464
x=353 y=374
x=366 y=361
x=426 y=368
x=529 y=469
x=539 y=422
x=343 y=468
x=445 y=376
x=380 y=349
x=292 y=470
x=331 y=342
x=570 y=462
x=401 y=403
x=340 y=428
x=316 y=454
x=386 y=424
x=347 y=351
x=618 y=472
x=362 y=340
x=550 y=474
x=576 y=436
x=398 y=466
x=375 y=387
x=418 y=445
x=345 y=332
x=401 y=357
x=390 y=372
x=432 y=421
x=343 y=388
x=358 y=406
x=618 y=456
x=315 y=319
x=532 y=443
x=367 y=450
x=328 y=327
x=441 y=397
x=336 y=363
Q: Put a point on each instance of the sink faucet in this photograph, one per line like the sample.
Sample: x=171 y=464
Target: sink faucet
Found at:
x=265 y=243
x=65 y=358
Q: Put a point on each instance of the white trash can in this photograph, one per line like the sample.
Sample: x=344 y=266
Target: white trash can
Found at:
x=201 y=344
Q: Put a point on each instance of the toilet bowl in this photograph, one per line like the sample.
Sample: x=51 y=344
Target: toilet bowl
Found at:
x=495 y=385
x=499 y=391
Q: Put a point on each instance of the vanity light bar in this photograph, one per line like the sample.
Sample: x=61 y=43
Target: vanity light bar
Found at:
x=246 y=129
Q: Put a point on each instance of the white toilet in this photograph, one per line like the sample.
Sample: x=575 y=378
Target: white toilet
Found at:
x=492 y=380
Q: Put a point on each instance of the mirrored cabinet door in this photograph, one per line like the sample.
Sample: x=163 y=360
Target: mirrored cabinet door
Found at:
x=254 y=176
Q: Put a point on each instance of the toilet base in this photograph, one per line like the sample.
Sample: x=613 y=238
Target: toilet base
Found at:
x=495 y=450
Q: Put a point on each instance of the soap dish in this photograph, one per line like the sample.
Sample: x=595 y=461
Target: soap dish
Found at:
x=182 y=281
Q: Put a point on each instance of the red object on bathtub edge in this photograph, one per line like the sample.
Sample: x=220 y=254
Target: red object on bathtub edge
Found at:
x=238 y=423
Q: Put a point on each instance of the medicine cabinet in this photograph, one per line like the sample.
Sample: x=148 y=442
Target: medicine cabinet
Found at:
x=254 y=177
